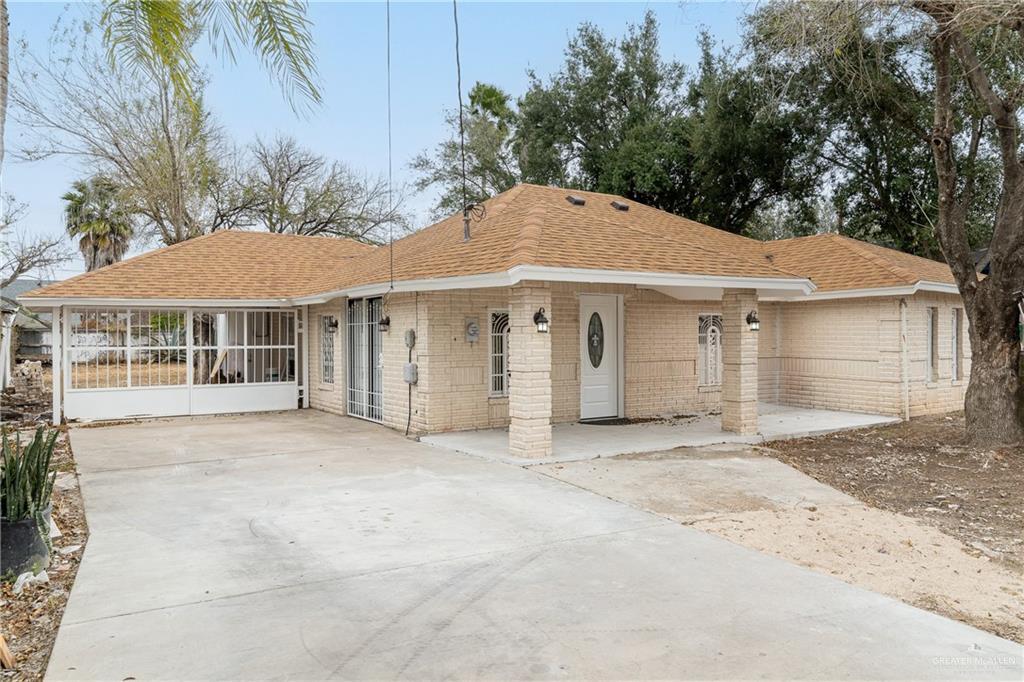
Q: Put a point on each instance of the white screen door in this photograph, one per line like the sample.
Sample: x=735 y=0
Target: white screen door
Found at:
x=599 y=356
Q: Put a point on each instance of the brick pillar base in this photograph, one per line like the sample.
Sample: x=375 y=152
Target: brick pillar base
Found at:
x=529 y=359
x=739 y=362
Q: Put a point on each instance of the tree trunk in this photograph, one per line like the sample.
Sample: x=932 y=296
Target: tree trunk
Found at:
x=994 y=396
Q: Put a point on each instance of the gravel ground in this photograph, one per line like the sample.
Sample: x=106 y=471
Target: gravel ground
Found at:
x=30 y=620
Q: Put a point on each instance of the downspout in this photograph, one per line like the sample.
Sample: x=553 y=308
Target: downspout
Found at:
x=904 y=363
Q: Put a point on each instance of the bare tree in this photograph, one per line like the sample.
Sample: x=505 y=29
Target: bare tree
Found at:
x=966 y=59
x=297 y=191
x=166 y=157
x=5 y=53
x=19 y=253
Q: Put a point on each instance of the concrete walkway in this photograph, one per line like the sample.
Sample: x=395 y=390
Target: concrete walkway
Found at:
x=574 y=441
x=306 y=546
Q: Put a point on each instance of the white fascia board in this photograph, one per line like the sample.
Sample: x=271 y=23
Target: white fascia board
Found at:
x=907 y=290
x=158 y=302
x=522 y=273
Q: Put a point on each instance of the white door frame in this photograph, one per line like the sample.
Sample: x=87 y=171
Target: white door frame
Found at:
x=620 y=323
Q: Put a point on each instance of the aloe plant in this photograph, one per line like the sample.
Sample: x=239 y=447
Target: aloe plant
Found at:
x=26 y=481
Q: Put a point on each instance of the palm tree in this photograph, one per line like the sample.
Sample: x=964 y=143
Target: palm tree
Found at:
x=158 y=37
x=95 y=216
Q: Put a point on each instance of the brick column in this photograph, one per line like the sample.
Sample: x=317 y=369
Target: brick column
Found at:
x=529 y=359
x=739 y=362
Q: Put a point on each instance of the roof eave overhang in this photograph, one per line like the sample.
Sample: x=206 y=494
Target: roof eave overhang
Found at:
x=875 y=292
x=90 y=301
x=521 y=273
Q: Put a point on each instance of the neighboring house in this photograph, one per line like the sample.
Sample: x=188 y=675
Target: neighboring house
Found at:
x=32 y=327
x=561 y=305
x=26 y=333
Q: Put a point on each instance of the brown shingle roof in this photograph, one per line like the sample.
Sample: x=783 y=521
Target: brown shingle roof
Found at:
x=222 y=265
x=528 y=225
x=836 y=263
x=534 y=225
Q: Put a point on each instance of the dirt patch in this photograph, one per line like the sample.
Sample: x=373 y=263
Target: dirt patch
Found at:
x=924 y=469
x=890 y=554
x=747 y=495
x=30 y=620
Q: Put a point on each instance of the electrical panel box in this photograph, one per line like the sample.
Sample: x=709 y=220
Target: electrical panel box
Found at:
x=410 y=338
x=410 y=373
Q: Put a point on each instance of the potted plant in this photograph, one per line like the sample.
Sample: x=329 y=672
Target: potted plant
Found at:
x=26 y=484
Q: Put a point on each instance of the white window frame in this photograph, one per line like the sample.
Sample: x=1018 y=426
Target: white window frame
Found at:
x=956 y=344
x=708 y=365
x=499 y=374
x=327 y=355
x=932 y=344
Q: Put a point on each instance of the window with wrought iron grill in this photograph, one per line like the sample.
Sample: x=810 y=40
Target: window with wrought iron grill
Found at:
x=328 y=328
x=709 y=350
x=499 y=354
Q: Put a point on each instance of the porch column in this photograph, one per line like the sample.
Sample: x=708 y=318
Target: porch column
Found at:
x=57 y=364
x=739 y=362
x=529 y=359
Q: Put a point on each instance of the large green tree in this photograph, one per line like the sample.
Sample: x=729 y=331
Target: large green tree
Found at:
x=617 y=117
x=95 y=215
x=491 y=165
x=962 y=62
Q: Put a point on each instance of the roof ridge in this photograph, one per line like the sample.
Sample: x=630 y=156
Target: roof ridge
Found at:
x=885 y=263
x=526 y=247
x=720 y=254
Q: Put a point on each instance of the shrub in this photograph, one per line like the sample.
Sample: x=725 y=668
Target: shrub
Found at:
x=26 y=481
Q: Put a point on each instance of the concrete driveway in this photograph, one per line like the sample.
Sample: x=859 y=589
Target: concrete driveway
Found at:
x=307 y=546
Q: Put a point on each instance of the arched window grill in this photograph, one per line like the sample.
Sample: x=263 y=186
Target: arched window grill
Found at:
x=709 y=350
x=499 y=354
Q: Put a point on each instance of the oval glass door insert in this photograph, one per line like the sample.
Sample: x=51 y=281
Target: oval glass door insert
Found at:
x=595 y=340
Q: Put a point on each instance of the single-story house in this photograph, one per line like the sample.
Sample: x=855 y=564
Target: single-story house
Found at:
x=555 y=305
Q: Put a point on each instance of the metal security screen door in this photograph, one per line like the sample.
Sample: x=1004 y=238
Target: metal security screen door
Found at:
x=364 y=359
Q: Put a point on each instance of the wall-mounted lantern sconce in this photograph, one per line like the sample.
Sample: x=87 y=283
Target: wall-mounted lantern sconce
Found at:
x=385 y=323
x=752 y=321
x=541 y=320
x=332 y=326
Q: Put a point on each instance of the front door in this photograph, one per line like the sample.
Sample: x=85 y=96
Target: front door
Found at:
x=599 y=356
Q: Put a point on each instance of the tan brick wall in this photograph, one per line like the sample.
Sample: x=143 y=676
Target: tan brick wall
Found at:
x=739 y=362
x=322 y=395
x=529 y=360
x=945 y=393
x=660 y=348
x=841 y=354
x=845 y=355
x=407 y=311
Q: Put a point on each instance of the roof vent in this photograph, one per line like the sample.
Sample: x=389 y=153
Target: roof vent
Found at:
x=575 y=200
x=620 y=205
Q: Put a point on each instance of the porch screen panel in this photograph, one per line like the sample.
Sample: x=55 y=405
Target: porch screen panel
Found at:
x=126 y=348
x=159 y=347
x=97 y=356
x=243 y=346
